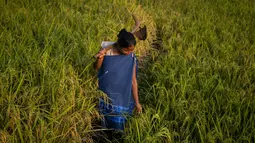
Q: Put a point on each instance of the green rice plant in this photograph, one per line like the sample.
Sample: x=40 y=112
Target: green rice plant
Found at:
x=48 y=90
x=196 y=82
x=205 y=72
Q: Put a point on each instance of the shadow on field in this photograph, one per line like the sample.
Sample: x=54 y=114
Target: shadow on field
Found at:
x=145 y=80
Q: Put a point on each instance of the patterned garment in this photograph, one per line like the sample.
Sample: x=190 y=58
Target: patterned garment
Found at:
x=115 y=80
x=115 y=117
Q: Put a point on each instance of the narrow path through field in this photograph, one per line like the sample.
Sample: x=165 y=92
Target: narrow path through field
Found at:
x=145 y=51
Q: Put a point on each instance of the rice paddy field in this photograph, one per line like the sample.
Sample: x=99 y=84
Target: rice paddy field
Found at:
x=196 y=74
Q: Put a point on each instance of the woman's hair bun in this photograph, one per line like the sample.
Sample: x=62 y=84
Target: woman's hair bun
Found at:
x=126 y=39
x=122 y=31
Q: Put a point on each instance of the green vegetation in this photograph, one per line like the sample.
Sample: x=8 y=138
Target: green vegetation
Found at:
x=197 y=82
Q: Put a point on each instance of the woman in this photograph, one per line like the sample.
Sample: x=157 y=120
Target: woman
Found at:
x=117 y=76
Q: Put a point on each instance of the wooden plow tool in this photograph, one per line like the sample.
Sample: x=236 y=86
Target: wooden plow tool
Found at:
x=140 y=34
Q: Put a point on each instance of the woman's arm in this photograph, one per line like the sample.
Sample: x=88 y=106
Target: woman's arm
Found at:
x=97 y=64
x=135 y=91
x=99 y=59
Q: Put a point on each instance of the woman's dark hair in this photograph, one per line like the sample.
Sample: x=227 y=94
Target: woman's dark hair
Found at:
x=126 y=39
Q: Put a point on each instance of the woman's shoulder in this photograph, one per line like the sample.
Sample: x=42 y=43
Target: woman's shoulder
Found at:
x=105 y=44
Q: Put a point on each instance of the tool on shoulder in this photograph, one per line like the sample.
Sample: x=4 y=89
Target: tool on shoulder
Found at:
x=140 y=34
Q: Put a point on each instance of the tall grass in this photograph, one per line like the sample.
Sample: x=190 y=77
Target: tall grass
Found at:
x=199 y=86
x=47 y=85
x=196 y=85
x=42 y=96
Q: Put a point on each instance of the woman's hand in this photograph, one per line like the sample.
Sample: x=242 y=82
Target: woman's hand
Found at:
x=100 y=54
x=138 y=108
x=99 y=59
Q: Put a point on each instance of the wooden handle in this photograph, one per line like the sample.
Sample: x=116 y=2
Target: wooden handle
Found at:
x=137 y=23
x=106 y=49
